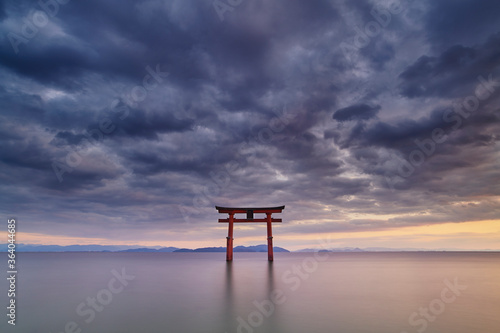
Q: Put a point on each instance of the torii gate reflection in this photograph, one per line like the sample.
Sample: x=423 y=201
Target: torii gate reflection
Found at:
x=250 y=219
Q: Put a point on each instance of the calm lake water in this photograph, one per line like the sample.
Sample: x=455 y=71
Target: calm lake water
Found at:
x=299 y=292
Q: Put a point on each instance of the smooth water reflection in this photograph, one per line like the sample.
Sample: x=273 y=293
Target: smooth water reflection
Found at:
x=257 y=315
x=298 y=292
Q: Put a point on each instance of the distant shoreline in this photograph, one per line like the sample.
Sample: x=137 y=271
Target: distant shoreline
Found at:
x=32 y=248
x=290 y=252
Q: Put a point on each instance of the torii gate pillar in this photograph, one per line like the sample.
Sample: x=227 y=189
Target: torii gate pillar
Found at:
x=270 y=254
x=250 y=219
x=229 y=245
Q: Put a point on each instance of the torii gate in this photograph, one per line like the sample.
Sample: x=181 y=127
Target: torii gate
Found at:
x=249 y=211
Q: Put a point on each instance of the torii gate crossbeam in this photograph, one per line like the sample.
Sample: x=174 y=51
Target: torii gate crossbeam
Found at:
x=249 y=219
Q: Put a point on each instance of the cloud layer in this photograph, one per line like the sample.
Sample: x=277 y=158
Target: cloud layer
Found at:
x=126 y=119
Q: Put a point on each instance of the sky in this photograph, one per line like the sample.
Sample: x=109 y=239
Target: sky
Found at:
x=376 y=123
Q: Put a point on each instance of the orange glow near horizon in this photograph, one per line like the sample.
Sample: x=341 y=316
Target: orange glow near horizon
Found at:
x=467 y=235
x=43 y=239
x=481 y=234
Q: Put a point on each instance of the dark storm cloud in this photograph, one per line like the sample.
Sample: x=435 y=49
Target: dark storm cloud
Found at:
x=154 y=109
x=58 y=64
x=69 y=138
x=356 y=112
x=23 y=154
x=450 y=22
x=454 y=72
x=3 y=14
x=401 y=134
x=458 y=72
x=150 y=125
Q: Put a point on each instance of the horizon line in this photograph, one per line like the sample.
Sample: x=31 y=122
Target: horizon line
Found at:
x=365 y=249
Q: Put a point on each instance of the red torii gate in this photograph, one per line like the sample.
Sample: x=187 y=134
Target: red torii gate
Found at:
x=249 y=211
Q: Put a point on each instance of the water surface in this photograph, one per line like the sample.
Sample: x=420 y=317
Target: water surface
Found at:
x=298 y=292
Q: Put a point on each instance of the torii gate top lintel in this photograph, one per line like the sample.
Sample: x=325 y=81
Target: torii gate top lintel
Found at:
x=241 y=208
x=249 y=218
x=277 y=209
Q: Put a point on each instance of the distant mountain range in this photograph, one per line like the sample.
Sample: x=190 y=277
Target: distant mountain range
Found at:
x=118 y=248
x=254 y=248
x=86 y=248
